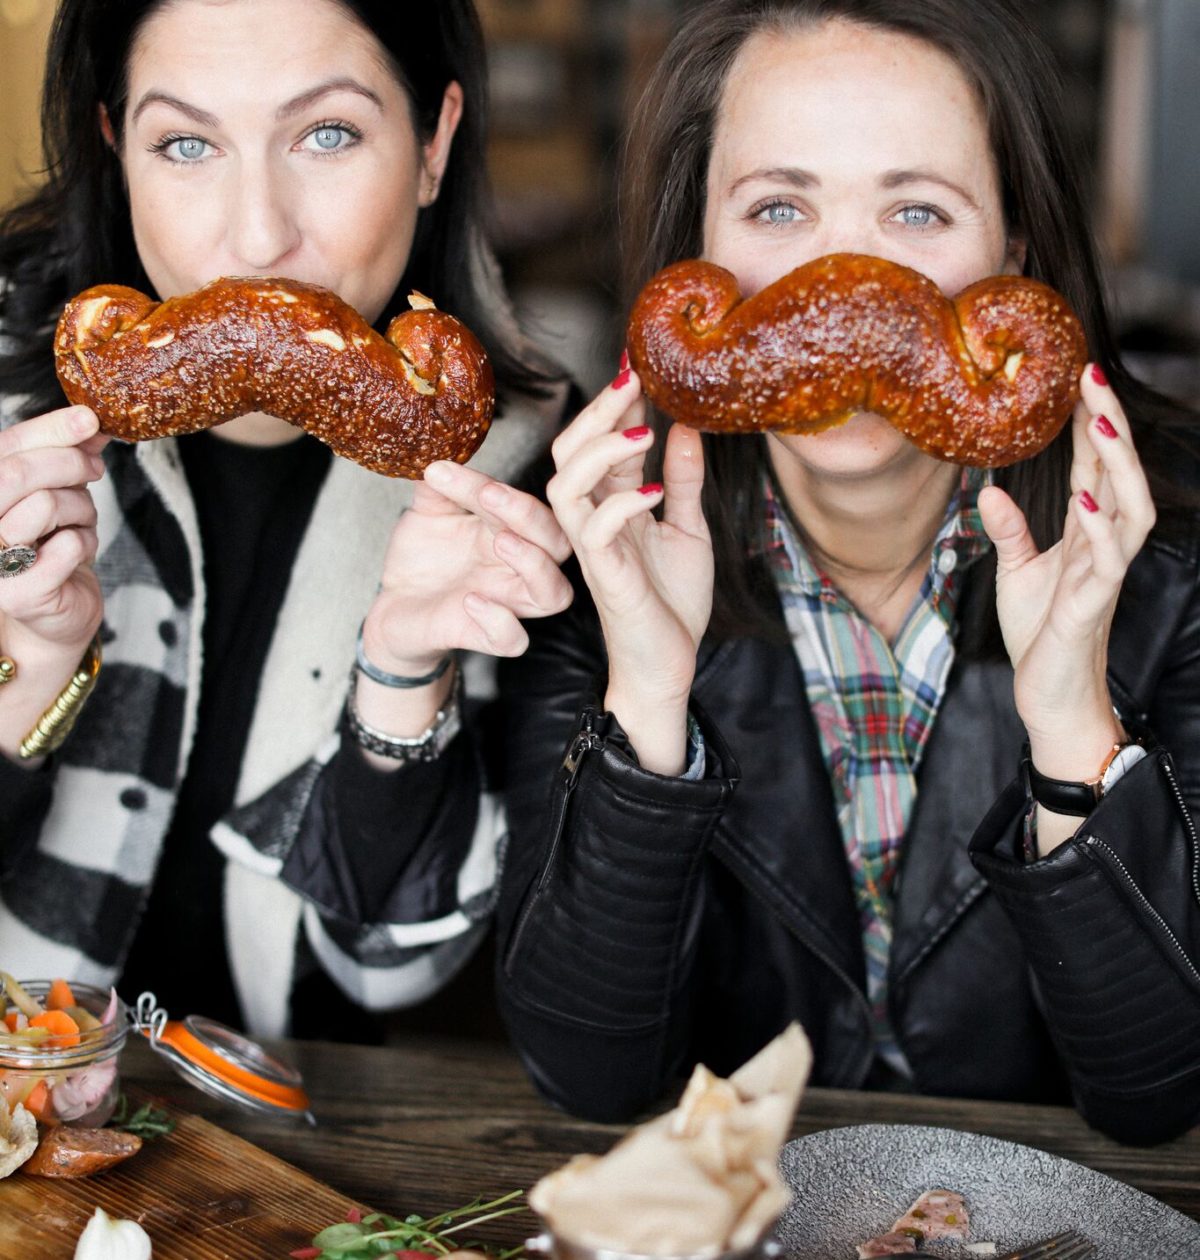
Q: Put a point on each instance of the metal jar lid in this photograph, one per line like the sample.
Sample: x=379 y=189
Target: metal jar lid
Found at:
x=222 y=1062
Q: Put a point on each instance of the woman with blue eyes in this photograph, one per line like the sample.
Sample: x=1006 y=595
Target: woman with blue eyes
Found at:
x=221 y=826
x=835 y=731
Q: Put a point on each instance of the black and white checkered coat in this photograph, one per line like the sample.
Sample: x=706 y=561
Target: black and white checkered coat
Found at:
x=70 y=905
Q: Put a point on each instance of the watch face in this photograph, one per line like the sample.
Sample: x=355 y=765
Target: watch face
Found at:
x=1128 y=757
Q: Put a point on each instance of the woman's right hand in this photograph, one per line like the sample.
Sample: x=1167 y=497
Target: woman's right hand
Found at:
x=651 y=580
x=46 y=464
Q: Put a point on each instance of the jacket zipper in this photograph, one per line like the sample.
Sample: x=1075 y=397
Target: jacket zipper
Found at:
x=1096 y=843
x=1189 y=825
x=585 y=741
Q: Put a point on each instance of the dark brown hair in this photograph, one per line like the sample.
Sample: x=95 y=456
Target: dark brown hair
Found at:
x=663 y=198
x=75 y=230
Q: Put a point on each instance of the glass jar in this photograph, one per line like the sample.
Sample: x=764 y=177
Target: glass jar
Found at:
x=64 y=1078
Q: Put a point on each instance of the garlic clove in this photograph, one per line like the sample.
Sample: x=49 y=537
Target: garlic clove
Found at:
x=104 y=1238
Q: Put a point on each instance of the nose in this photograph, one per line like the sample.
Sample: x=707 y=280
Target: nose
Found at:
x=849 y=235
x=262 y=227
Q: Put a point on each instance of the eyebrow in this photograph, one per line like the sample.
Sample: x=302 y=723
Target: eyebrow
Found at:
x=898 y=179
x=793 y=175
x=797 y=177
x=297 y=105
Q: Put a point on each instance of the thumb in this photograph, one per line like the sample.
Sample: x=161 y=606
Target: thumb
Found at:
x=683 y=480
x=432 y=502
x=1007 y=528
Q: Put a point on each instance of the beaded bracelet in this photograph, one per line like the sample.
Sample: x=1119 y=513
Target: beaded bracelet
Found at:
x=55 y=724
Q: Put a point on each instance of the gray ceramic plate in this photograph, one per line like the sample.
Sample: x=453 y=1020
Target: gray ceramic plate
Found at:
x=851 y=1184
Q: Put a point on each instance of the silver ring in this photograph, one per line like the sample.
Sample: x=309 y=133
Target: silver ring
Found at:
x=15 y=560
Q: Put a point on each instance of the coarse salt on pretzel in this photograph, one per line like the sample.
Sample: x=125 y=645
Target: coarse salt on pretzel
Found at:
x=985 y=379
x=293 y=350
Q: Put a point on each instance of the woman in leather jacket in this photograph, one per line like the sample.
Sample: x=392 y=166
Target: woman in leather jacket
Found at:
x=833 y=730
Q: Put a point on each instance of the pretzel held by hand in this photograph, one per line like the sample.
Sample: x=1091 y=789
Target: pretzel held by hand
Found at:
x=292 y=350
x=986 y=379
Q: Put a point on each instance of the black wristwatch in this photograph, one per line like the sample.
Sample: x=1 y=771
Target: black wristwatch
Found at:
x=1063 y=797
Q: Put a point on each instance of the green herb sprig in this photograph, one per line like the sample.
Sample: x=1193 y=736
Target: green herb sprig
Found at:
x=146 y=1122
x=380 y=1235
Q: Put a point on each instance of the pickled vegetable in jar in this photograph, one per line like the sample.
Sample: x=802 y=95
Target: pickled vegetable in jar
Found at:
x=59 y=1045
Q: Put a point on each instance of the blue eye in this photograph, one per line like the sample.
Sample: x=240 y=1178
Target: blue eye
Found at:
x=331 y=137
x=183 y=149
x=920 y=216
x=779 y=212
x=328 y=137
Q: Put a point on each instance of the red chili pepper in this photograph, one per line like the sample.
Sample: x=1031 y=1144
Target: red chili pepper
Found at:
x=411 y=1255
x=305 y=1253
x=354 y=1216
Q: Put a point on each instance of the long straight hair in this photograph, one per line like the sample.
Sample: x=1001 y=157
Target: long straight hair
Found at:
x=75 y=230
x=662 y=210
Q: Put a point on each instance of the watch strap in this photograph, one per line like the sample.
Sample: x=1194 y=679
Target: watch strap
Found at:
x=428 y=746
x=1076 y=798
x=1060 y=796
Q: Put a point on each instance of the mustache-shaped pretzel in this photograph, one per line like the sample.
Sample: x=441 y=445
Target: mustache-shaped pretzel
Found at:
x=986 y=379
x=296 y=351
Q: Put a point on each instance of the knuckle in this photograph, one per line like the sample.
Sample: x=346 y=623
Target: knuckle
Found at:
x=14 y=472
x=562 y=598
x=42 y=504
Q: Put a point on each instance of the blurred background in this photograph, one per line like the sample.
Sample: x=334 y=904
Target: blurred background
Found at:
x=564 y=76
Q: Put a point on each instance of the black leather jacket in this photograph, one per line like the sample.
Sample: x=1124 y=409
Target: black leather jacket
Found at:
x=647 y=923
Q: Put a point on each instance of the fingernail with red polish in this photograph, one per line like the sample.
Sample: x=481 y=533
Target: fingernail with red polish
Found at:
x=1098 y=374
x=1104 y=424
x=653 y=487
x=624 y=360
x=1088 y=502
x=636 y=435
x=621 y=379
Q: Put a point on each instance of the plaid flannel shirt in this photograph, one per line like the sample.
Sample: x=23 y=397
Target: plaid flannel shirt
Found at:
x=874 y=704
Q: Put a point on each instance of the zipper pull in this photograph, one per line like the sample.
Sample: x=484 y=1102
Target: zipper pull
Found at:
x=586 y=739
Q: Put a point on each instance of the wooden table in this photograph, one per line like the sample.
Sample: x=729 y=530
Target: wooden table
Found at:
x=428 y=1126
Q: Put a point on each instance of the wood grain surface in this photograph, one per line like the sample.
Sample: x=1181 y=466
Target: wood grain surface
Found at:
x=426 y=1126
x=201 y=1193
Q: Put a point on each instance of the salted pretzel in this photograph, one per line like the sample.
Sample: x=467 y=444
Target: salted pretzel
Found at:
x=986 y=379
x=239 y=345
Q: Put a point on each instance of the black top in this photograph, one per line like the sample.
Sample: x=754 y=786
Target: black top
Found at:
x=252 y=505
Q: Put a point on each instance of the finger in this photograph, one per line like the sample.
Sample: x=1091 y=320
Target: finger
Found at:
x=59 y=557
x=618 y=406
x=546 y=588
x=1086 y=469
x=428 y=499
x=1106 y=558
x=501 y=633
x=501 y=506
x=69 y=426
x=1098 y=397
x=1127 y=490
x=1007 y=528
x=683 y=480
x=44 y=511
x=618 y=455
x=607 y=521
x=47 y=468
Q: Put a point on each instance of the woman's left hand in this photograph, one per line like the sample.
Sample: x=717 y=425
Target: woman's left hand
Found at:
x=1056 y=606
